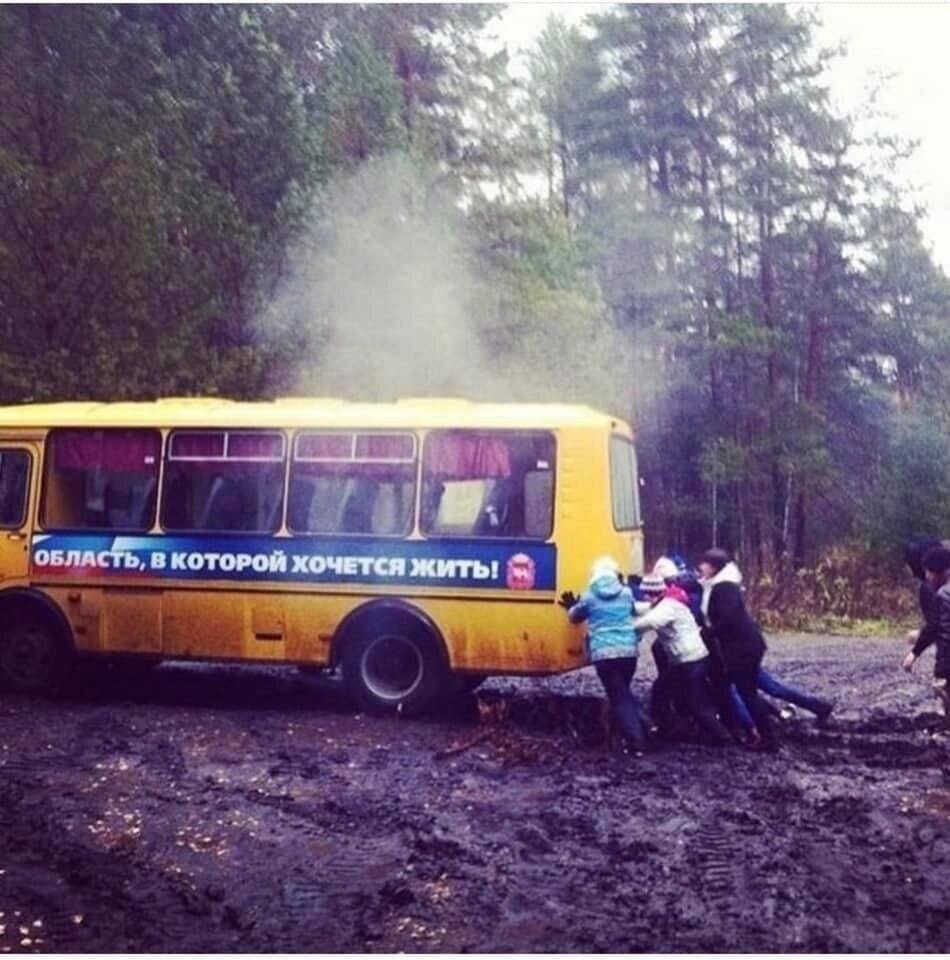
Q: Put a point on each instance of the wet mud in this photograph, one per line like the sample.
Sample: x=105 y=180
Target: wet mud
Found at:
x=219 y=808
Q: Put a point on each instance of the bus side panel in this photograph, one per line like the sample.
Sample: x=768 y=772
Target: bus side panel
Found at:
x=481 y=636
x=312 y=620
x=132 y=620
x=515 y=637
x=582 y=529
x=111 y=620
x=585 y=526
x=224 y=624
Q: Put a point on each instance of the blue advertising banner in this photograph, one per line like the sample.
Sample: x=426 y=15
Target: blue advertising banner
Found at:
x=503 y=565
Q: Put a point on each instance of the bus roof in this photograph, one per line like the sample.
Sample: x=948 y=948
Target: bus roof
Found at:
x=330 y=412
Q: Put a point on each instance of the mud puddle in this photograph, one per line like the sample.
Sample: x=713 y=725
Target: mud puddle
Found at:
x=223 y=809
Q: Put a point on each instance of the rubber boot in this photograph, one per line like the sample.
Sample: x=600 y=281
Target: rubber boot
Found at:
x=822 y=711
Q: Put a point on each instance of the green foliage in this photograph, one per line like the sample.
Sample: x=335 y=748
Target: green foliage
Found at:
x=847 y=591
x=912 y=492
x=774 y=291
x=668 y=219
x=150 y=190
x=540 y=314
x=359 y=104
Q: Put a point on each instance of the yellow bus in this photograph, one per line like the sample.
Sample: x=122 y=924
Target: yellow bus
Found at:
x=417 y=546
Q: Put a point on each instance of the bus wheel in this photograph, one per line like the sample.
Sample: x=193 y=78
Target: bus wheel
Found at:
x=394 y=666
x=32 y=658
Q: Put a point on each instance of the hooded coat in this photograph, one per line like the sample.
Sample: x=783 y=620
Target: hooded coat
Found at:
x=942 y=603
x=607 y=606
x=730 y=631
x=914 y=554
x=675 y=627
x=930 y=611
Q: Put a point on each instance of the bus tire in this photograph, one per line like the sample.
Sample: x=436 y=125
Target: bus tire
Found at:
x=394 y=664
x=34 y=657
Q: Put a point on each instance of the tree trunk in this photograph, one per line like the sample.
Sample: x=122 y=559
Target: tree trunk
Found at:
x=813 y=380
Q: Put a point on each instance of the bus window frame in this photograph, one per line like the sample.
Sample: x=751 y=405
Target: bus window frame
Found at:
x=11 y=447
x=415 y=461
x=41 y=525
x=637 y=512
x=508 y=538
x=227 y=431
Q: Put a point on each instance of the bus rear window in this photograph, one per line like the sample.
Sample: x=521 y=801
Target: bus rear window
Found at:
x=488 y=484
x=353 y=483
x=101 y=479
x=224 y=481
x=624 y=488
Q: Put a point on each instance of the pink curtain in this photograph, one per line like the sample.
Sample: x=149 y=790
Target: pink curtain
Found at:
x=256 y=446
x=465 y=456
x=325 y=446
x=381 y=447
x=125 y=451
x=382 y=472
x=197 y=445
x=241 y=446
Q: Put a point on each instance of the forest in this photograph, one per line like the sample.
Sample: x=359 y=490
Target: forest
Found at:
x=660 y=212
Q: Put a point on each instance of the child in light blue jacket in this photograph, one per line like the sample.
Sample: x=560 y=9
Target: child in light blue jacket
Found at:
x=612 y=643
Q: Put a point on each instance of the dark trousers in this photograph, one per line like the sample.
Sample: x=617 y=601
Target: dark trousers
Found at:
x=745 y=676
x=690 y=680
x=667 y=704
x=775 y=688
x=615 y=675
x=720 y=692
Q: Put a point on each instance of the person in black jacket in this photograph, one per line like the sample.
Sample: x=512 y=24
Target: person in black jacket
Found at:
x=926 y=635
x=936 y=565
x=734 y=637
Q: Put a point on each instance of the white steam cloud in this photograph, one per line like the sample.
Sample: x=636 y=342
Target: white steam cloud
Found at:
x=386 y=280
x=388 y=285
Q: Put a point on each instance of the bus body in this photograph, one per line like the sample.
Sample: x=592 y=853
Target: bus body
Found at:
x=411 y=543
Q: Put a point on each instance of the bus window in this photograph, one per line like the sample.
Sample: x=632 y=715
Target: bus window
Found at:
x=14 y=479
x=624 y=491
x=352 y=483
x=488 y=484
x=101 y=479
x=224 y=481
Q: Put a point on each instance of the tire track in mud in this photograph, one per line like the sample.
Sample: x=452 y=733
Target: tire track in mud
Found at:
x=718 y=875
x=61 y=876
x=720 y=880
x=335 y=900
x=338 y=881
x=364 y=842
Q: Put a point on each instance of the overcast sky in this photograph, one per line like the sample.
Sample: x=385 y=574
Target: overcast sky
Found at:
x=908 y=40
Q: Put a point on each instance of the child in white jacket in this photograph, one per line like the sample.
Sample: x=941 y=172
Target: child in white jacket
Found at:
x=685 y=677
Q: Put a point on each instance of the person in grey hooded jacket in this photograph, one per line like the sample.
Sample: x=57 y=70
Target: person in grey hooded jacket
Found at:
x=612 y=643
x=686 y=662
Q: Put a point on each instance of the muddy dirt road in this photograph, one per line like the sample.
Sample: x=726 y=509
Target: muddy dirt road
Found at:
x=224 y=808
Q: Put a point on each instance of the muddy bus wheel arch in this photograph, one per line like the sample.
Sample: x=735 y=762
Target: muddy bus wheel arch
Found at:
x=36 y=644
x=392 y=657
